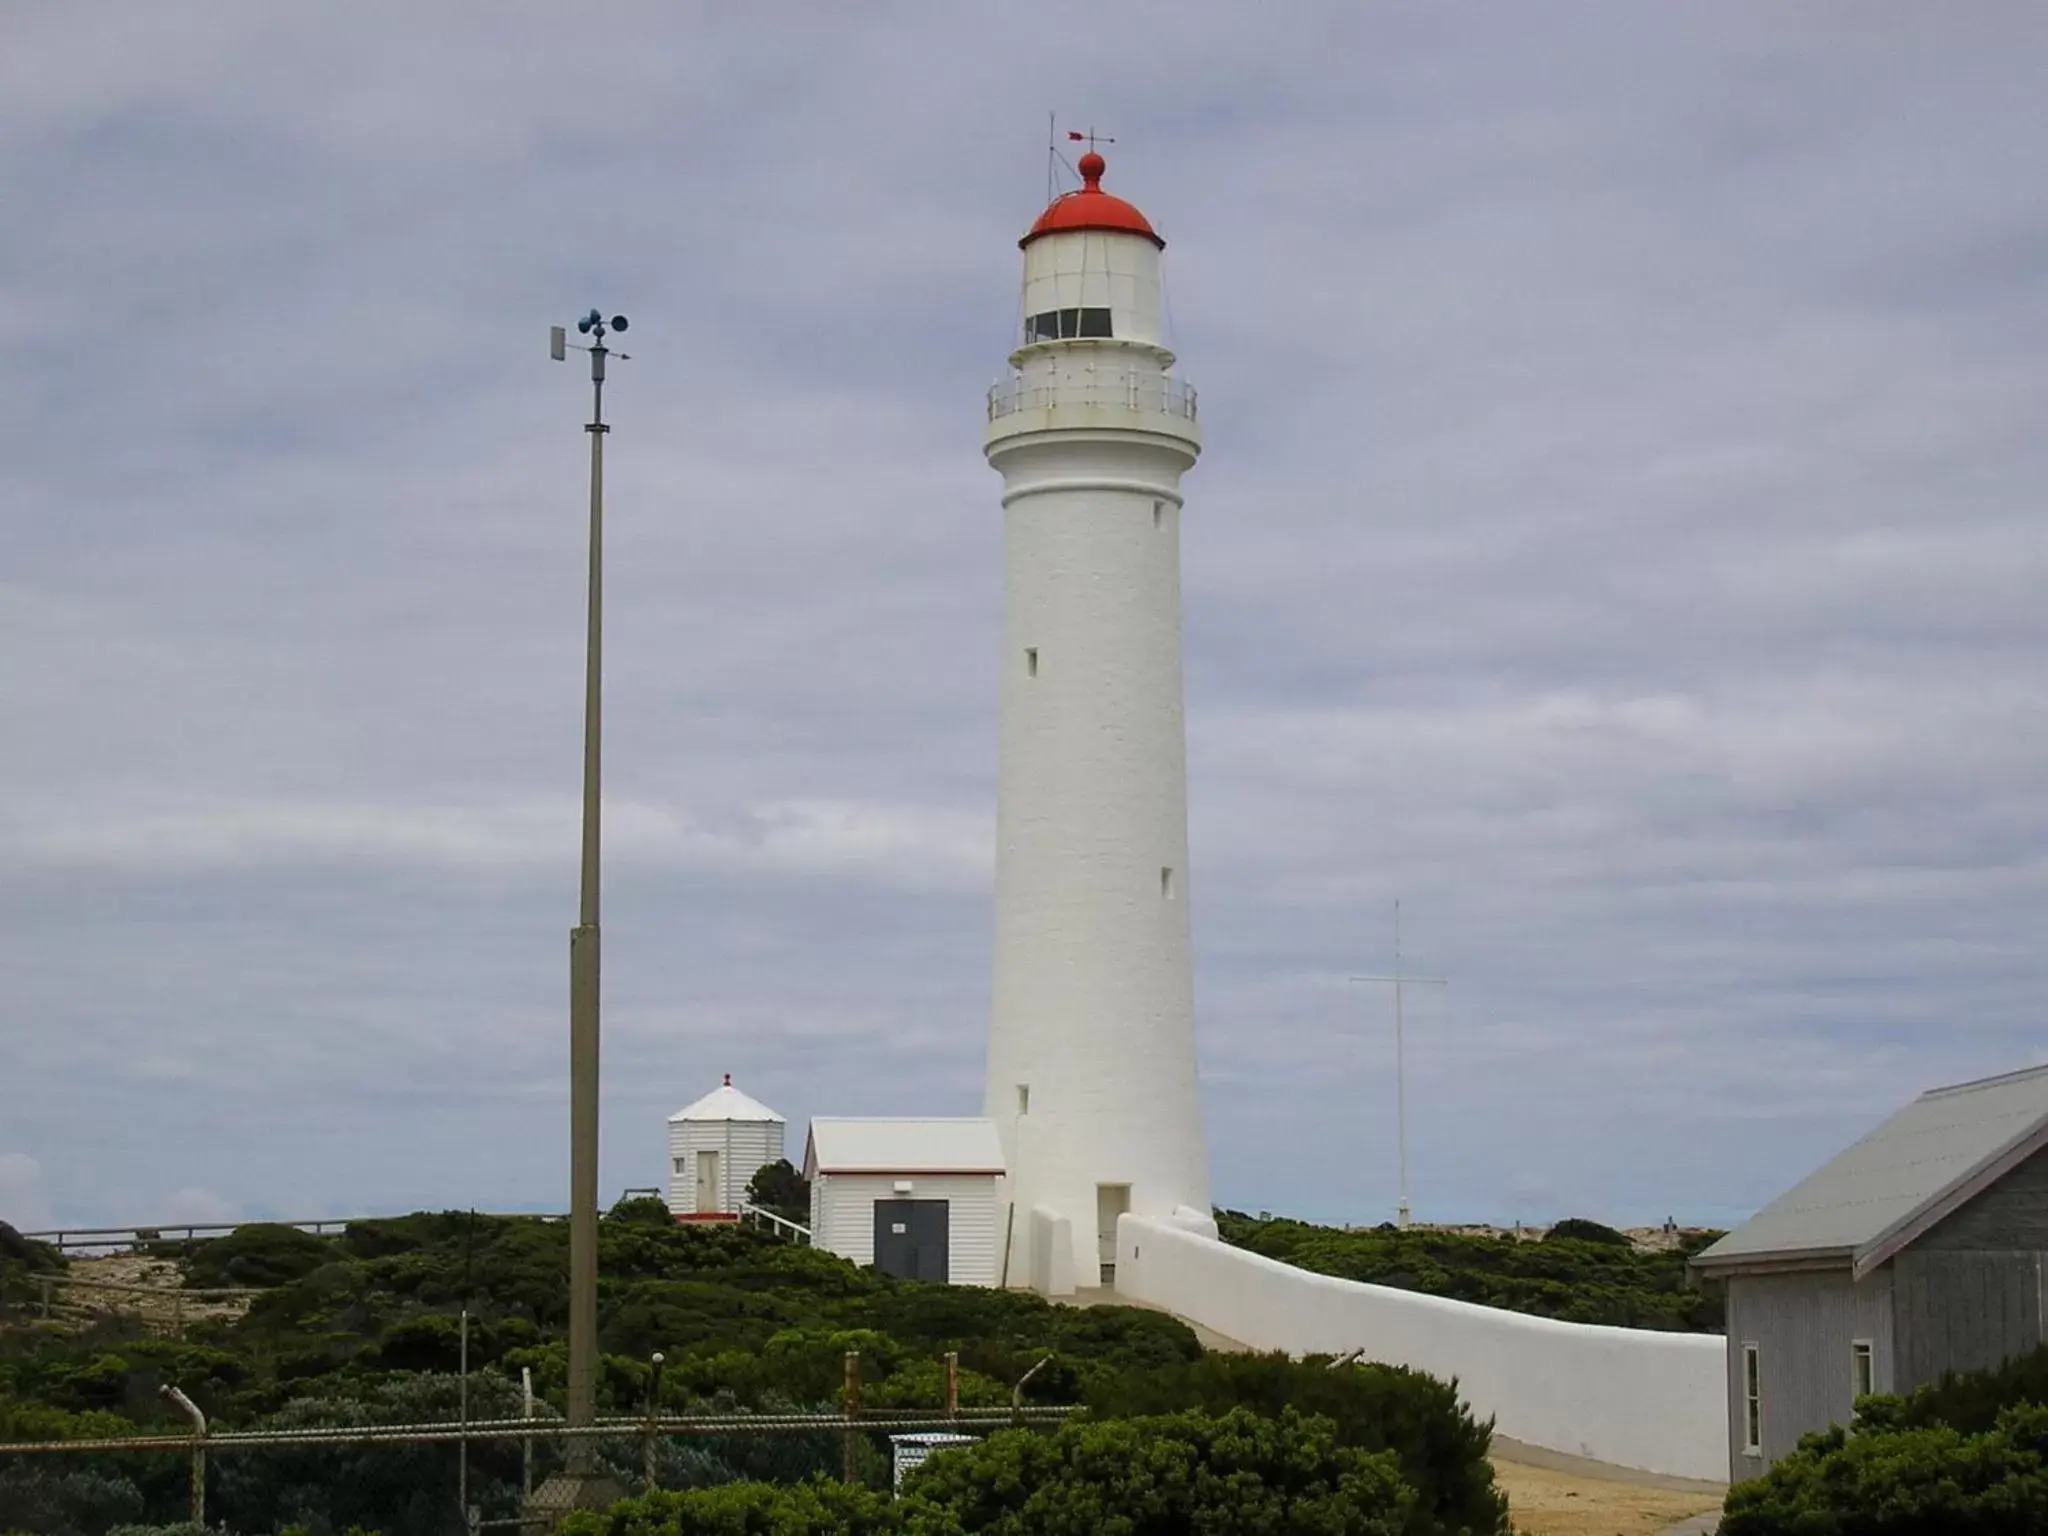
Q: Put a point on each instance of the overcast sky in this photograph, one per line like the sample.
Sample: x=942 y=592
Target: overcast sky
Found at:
x=1620 y=535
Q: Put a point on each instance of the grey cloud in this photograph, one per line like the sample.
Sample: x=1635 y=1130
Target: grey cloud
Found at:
x=1618 y=535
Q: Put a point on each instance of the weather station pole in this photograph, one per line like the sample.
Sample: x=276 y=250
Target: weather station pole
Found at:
x=580 y=1485
x=1401 y=982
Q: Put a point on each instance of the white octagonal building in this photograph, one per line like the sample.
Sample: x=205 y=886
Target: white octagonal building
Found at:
x=715 y=1147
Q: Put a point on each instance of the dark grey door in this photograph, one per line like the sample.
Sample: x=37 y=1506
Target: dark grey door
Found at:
x=910 y=1239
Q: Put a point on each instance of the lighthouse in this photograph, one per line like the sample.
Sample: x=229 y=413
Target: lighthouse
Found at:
x=1091 y=1054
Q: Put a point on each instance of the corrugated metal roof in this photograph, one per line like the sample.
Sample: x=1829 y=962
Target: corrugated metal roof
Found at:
x=903 y=1146
x=726 y=1103
x=1911 y=1171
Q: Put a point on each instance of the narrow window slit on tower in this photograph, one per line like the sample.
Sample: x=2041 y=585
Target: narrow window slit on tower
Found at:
x=1166 y=882
x=1031 y=661
x=1158 y=514
x=1023 y=1098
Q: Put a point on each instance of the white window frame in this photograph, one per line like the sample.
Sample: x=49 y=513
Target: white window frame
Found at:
x=1752 y=1399
x=1862 y=1362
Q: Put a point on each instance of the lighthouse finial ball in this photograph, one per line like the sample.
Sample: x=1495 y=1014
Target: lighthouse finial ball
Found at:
x=1092 y=166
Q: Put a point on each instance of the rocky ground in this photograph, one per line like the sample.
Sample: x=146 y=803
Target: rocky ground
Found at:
x=137 y=1283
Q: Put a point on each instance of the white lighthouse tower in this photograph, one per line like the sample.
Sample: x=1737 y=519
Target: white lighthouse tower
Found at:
x=1091 y=1058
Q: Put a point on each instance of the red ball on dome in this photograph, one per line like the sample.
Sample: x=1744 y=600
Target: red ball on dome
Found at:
x=1092 y=167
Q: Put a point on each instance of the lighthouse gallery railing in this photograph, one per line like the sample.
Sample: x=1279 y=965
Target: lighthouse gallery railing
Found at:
x=1156 y=393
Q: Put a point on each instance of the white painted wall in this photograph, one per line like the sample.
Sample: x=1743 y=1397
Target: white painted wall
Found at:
x=744 y=1147
x=1093 y=994
x=1630 y=1397
x=843 y=1217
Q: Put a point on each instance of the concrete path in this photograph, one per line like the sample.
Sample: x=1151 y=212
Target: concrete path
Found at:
x=1698 y=1525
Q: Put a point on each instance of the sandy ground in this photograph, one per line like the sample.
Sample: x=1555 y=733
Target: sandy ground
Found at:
x=1543 y=1501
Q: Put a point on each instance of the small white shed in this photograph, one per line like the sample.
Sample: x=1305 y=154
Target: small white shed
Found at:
x=915 y=1198
x=715 y=1147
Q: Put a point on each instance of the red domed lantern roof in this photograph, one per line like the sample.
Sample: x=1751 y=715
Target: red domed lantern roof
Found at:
x=1091 y=208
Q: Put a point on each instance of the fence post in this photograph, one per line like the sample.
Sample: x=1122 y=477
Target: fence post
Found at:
x=952 y=1383
x=1017 y=1392
x=178 y=1315
x=653 y=1412
x=852 y=1408
x=46 y=1298
x=526 y=1441
x=190 y=1409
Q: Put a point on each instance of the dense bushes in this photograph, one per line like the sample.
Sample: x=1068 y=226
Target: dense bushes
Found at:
x=1579 y=1230
x=1903 y=1482
x=260 y=1254
x=1440 y=1450
x=366 y=1332
x=1576 y=1278
x=1968 y=1453
x=1183 y=1473
x=1971 y=1402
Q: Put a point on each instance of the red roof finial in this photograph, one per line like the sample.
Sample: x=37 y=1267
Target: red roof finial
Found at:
x=728 y=1079
x=1092 y=166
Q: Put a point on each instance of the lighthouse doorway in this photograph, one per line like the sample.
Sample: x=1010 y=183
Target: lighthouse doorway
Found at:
x=1111 y=1201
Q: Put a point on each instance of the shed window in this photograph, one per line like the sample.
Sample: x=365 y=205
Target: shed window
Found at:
x=1059 y=324
x=679 y=1165
x=1861 y=1374
x=1752 y=1401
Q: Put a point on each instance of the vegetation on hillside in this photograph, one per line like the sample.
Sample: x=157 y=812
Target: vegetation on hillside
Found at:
x=362 y=1328
x=1580 y=1273
x=1968 y=1454
x=1238 y=1472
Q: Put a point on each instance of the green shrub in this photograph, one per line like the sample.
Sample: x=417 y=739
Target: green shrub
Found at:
x=641 y=1210
x=42 y=1498
x=1904 y=1482
x=34 y=1257
x=1577 y=1229
x=1572 y=1279
x=1970 y=1402
x=1440 y=1450
x=1187 y=1472
x=814 y=1508
x=258 y=1254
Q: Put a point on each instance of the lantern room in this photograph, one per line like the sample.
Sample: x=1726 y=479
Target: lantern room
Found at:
x=1091 y=268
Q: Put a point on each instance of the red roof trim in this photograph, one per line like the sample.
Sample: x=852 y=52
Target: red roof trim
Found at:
x=874 y=1172
x=1091 y=208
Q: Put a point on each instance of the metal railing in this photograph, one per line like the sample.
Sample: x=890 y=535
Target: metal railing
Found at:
x=778 y=1226
x=65 y=1239
x=1155 y=394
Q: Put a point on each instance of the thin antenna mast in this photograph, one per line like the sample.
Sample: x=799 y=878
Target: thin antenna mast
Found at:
x=1401 y=981
x=1051 y=151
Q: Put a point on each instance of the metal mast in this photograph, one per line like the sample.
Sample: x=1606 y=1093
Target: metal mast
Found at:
x=1401 y=982
x=579 y=1485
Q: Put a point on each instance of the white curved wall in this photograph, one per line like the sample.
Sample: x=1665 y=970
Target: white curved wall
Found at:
x=1629 y=1397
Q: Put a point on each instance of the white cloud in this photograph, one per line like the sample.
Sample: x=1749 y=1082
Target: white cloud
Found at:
x=202 y=1206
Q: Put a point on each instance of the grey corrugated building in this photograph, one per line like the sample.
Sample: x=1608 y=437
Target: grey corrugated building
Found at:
x=1919 y=1250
